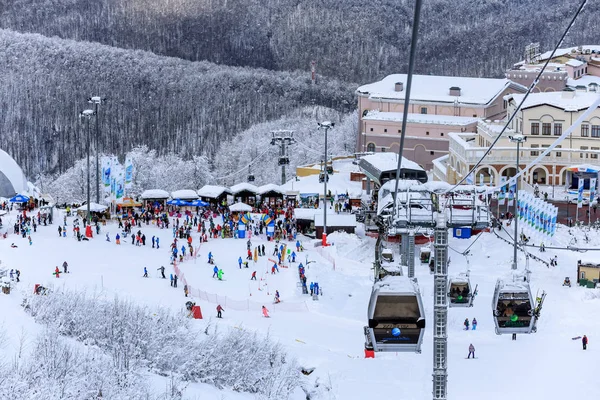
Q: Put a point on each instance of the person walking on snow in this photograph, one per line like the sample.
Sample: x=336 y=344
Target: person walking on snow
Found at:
x=584 y=341
x=466 y=324
x=185 y=290
x=145 y=272
x=215 y=271
x=265 y=312
x=157 y=245
x=57 y=272
x=65 y=265
x=471 y=350
x=219 y=310
x=153 y=239
x=118 y=239
x=162 y=271
x=175 y=281
x=220 y=275
x=210 y=257
x=253 y=276
x=240 y=262
x=298 y=246
x=312 y=288
x=474 y=324
x=277 y=300
x=171 y=280
x=293 y=256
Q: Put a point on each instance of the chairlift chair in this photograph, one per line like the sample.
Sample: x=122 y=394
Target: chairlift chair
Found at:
x=514 y=308
x=396 y=316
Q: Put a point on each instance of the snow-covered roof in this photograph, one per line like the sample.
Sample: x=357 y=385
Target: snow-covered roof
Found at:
x=155 y=194
x=567 y=50
x=305 y=213
x=574 y=63
x=585 y=80
x=270 y=187
x=12 y=179
x=339 y=183
x=94 y=207
x=396 y=284
x=185 y=194
x=240 y=207
x=244 y=186
x=389 y=161
x=580 y=100
x=430 y=88
x=419 y=118
x=212 y=191
x=334 y=219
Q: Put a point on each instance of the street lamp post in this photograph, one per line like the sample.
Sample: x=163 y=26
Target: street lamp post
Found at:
x=518 y=139
x=97 y=100
x=325 y=125
x=88 y=114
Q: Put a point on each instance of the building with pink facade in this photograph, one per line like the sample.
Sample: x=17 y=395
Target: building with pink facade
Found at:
x=438 y=105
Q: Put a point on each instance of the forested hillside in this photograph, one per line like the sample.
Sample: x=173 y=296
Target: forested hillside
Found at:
x=168 y=104
x=352 y=40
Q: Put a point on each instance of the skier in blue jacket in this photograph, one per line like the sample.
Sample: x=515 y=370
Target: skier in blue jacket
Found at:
x=215 y=271
x=240 y=261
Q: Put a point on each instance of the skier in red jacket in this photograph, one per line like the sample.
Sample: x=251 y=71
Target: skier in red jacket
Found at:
x=219 y=309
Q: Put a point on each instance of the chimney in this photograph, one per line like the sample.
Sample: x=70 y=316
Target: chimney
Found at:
x=399 y=86
x=454 y=91
x=568 y=93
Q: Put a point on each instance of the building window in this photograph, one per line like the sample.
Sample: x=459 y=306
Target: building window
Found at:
x=585 y=130
x=546 y=128
x=365 y=113
x=383 y=149
x=371 y=147
x=557 y=129
x=594 y=155
x=535 y=152
x=431 y=152
x=441 y=133
x=371 y=129
x=558 y=153
x=474 y=115
x=399 y=130
x=595 y=130
x=583 y=155
x=545 y=146
x=385 y=130
x=427 y=133
x=535 y=128
x=423 y=110
x=505 y=104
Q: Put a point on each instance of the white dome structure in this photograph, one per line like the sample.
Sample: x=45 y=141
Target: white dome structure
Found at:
x=12 y=179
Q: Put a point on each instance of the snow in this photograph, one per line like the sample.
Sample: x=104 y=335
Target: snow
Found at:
x=306 y=213
x=339 y=183
x=335 y=220
x=420 y=118
x=94 y=207
x=155 y=194
x=212 y=191
x=429 y=88
x=237 y=207
x=15 y=181
x=396 y=284
x=574 y=63
x=568 y=50
x=580 y=100
x=244 y=186
x=585 y=80
x=270 y=187
x=328 y=334
x=389 y=161
x=184 y=194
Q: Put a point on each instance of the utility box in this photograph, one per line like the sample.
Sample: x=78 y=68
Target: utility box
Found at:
x=462 y=233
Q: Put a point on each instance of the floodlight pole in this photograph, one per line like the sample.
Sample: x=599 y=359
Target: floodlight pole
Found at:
x=518 y=139
x=325 y=125
x=97 y=100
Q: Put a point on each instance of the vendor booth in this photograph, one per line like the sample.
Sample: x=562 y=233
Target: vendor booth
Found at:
x=244 y=192
x=271 y=194
x=214 y=195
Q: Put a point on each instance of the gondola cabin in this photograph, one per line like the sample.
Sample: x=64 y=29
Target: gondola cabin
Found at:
x=513 y=308
x=396 y=316
x=460 y=292
x=388 y=266
x=425 y=254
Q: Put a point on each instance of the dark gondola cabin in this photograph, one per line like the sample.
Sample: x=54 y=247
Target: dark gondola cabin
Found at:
x=513 y=308
x=460 y=292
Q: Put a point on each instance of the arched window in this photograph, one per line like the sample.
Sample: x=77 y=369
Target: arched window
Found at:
x=371 y=147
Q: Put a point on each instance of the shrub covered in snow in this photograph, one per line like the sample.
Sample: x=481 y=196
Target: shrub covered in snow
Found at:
x=136 y=337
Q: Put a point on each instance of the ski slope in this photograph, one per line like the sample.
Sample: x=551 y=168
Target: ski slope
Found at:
x=327 y=334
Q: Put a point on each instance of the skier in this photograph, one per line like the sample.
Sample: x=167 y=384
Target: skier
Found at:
x=220 y=275
x=18 y=275
x=263 y=249
x=157 y=243
x=175 y=281
x=57 y=272
x=253 y=276
x=277 y=300
x=59 y=231
x=298 y=246
x=265 y=312
x=107 y=238
x=240 y=262
x=185 y=290
x=312 y=288
x=474 y=324
x=171 y=280
x=215 y=271
x=466 y=324
x=293 y=256
x=219 y=310
x=584 y=341
x=162 y=271
x=471 y=350
x=145 y=272
x=153 y=240
x=210 y=258
x=65 y=265
x=118 y=239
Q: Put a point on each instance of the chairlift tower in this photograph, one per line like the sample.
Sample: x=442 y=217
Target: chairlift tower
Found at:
x=440 y=310
x=282 y=138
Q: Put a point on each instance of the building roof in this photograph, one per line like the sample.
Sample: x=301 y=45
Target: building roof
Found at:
x=419 y=118
x=567 y=50
x=185 y=194
x=12 y=179
x=155 y=194
x=335 y=220
x=212 y=191
x=244 y=186
x=430 y=88
x=389 y=161
x=574 y=63
x=580 y=100
x=270 y=187
x=585 y=80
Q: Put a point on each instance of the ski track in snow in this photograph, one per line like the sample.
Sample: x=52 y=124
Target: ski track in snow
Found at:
x=329 y=334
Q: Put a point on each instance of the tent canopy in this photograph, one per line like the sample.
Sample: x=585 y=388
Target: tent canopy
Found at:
x=94 y=207
x=155 y=194
x=19 y=199
x=12 y=179
x=184 y=194
x=199 y=203
x=237 y=207
x=178 y=202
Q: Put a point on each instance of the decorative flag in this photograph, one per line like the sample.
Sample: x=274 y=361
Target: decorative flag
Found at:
x=580 y=193
x=106 y=173
x=592 y=189
x=481 y=179
x=128 y=172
